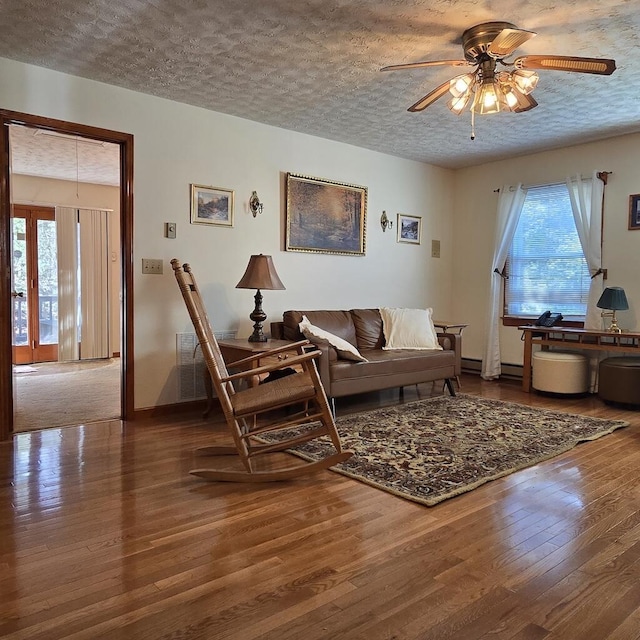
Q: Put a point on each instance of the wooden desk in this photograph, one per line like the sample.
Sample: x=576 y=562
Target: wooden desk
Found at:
x=234 y=349
x=568 y=338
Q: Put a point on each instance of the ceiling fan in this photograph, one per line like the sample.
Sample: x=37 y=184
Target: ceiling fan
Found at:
x=490 y=90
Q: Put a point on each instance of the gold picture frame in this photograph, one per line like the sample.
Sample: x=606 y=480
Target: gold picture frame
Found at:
x=325 y=216
x=211 y=205
x=634 y=211
x=409 y=229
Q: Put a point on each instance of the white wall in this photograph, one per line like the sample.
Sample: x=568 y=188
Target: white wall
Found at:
x=475 y=205
x=176 y=145
x=51 y=193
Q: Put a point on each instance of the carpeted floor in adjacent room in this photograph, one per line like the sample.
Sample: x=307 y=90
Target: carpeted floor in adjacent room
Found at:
x=56 y=394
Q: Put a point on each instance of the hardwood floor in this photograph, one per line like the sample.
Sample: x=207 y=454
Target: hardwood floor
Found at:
x=104 y=535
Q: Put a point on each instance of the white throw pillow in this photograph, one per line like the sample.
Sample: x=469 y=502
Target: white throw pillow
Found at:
x=408 y=329
x=344 y=348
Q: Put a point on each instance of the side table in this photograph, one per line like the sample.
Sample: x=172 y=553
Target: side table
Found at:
x=456 y=327
x=234 y=349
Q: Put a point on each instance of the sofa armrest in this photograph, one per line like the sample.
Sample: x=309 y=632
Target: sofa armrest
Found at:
x=322 y=363
x=277 y=330
x=452 y=342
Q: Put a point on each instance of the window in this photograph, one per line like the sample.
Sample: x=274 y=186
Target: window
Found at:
x=546 y=267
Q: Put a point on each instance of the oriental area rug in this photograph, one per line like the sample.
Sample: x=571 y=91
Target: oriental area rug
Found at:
x=431 y=450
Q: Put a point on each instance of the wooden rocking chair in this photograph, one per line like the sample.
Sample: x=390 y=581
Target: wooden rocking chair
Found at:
x=300 y=396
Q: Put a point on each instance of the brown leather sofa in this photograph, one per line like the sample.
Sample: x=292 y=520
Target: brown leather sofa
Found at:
x=385 y=369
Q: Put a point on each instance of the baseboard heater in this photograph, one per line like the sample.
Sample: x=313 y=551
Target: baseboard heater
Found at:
x=471 y=365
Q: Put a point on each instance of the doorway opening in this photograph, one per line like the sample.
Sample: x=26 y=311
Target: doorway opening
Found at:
x=40 y=323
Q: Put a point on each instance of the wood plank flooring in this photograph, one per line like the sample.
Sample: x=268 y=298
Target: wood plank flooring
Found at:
x=104 y=535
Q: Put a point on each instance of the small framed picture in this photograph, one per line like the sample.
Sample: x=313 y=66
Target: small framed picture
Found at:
x=409 y=228
x=211 y=205
x=634 y=211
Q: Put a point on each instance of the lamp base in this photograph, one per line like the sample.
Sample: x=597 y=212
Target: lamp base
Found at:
x=257 y=335
x=614 y=328
x=258 y=316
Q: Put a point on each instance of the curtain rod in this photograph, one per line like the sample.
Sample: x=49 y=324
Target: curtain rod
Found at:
x=603 y=175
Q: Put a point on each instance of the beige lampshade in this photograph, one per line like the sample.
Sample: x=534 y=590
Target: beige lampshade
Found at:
x=260 y=274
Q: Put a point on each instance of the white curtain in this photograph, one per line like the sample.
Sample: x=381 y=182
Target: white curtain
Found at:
x=83 y=284
x=586 y=204
x=510 y=204
x=94 y=284
x=67 y=244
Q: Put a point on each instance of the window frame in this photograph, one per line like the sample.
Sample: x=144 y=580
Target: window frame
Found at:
x=511 y=320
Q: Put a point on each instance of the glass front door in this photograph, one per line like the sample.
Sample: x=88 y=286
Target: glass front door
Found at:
x=35 y=285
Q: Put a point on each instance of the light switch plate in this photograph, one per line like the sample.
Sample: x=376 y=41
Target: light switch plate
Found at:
x=435 y=248
x=151 y=265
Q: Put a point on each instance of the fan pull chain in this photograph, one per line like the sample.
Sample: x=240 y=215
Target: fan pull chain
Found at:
x=473 y=125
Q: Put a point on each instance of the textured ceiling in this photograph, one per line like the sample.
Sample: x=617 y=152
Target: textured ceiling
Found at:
x=35 y=152
x=313 y=65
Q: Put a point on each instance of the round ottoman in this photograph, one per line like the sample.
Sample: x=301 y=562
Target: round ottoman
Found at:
x=560 y=372
x=619 y=380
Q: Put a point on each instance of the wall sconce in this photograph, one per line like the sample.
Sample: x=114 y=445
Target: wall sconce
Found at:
x=255 y=205
x=385 y=222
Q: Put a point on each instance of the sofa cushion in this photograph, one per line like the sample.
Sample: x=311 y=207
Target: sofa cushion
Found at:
x=344 y=348
x=387 y=363
x=337 y=322
x=368 y=324
x=408 y=329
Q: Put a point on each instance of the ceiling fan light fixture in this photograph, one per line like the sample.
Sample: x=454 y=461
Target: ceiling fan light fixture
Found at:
x=488 y=98
x=526 y=81
x=461 y=85
x=458 y=104
x=511 y=98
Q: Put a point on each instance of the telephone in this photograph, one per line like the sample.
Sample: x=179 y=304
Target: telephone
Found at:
x=548 y=319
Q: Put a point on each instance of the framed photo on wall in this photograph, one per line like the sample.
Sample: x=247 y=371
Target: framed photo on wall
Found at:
x=634 y=211
x=211 y=205
x=324 y=216
x=409 y=228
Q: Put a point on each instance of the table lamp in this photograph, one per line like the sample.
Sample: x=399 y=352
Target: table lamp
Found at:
x=614 y=299
x=260 y=274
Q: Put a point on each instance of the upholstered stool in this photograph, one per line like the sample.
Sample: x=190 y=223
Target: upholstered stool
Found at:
x=560 y=372
x=619 y=380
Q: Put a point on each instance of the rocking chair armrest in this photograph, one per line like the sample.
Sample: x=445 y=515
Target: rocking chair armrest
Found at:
x=268 y=368
x=294 y=346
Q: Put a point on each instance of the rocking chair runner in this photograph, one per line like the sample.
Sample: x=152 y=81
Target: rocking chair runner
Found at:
x=247 y=410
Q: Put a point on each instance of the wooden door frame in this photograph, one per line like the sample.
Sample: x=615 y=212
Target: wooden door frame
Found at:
x=125 y=142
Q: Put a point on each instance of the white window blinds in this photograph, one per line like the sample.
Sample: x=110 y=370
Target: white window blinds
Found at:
x=546 y=267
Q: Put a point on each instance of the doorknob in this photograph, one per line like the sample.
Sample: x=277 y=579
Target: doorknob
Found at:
x=15 y=294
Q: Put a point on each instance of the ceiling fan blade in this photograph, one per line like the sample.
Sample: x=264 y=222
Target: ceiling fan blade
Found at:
x=600 y=66
x=431 y=97
x=507 y=41
x=427 y=63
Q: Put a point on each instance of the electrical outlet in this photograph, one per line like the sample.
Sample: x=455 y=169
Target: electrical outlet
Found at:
x=150 y=265
x=169 y=229
x=435 y=248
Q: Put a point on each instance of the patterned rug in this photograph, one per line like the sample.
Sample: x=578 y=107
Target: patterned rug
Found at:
x=431 y=450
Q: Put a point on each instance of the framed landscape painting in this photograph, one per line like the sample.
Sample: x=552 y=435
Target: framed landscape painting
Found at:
x=324 y=216
x=634 y=211
x=211 y=205
x=408 y=228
